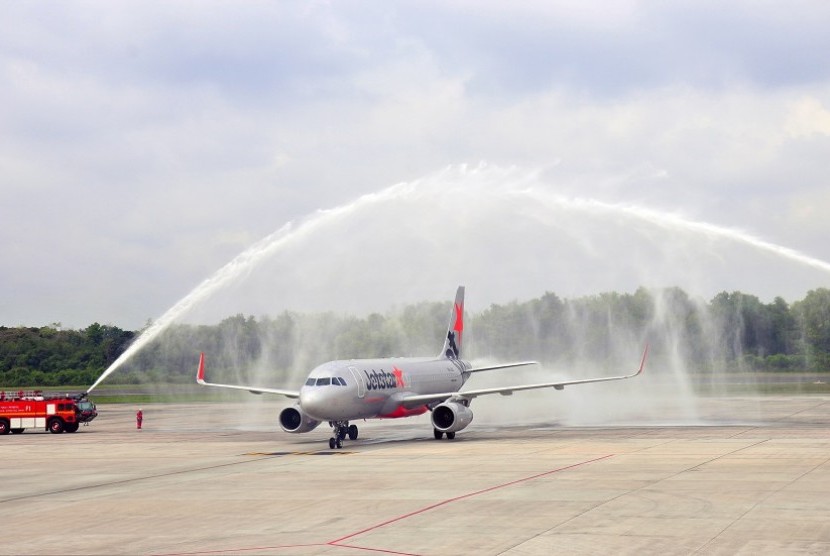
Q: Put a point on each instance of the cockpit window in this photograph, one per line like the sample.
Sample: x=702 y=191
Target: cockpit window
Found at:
x=326 y=381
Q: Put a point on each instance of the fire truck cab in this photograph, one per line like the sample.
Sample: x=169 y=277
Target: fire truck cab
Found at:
x=24 y=410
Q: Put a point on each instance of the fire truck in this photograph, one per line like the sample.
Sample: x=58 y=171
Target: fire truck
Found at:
x=33 y=410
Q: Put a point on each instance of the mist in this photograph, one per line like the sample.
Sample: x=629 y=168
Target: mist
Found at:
x=506 y=234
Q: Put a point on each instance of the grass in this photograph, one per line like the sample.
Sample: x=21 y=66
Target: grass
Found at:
x=725 y=384
x=147 y=393
x=763 y=389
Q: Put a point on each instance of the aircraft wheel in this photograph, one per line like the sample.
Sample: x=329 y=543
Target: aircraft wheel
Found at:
x=331 y=443
x=338 y=444
x=352 y=432
x=438 y=434
x=450 y=435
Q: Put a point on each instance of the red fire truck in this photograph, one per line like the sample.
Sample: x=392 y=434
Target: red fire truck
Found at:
x=24 y=410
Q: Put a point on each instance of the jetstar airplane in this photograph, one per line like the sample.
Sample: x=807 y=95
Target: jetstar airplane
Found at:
x=343 y=391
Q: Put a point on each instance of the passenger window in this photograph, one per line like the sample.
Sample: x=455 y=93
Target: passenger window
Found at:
x=323 y=381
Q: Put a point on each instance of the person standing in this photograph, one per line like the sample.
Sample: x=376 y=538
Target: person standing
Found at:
x=139 y=417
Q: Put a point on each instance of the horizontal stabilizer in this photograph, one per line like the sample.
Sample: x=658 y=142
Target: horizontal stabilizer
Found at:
x=502 y=366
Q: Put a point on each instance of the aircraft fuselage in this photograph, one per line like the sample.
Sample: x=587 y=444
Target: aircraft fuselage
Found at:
x=375 y=388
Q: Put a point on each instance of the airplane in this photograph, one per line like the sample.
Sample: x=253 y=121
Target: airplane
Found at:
x=343 y=391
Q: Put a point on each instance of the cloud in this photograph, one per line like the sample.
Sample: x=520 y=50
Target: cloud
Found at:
x=144 y=145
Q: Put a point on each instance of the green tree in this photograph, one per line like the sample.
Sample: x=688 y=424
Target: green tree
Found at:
x=813 y=315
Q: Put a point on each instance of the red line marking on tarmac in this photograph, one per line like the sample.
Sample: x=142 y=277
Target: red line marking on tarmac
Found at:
x=367 y=549
x=249 y=549
x=337 y=542
x=464 y=496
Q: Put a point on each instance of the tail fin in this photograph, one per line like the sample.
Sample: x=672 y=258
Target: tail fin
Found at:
x=200 y=372
x=455 y=331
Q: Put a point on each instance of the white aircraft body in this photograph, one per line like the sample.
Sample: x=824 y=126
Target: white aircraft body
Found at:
x=338 y=392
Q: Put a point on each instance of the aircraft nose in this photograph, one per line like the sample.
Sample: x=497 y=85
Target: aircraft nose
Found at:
x=314 y=403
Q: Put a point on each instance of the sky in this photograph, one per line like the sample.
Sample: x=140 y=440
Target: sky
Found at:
x=143 y=145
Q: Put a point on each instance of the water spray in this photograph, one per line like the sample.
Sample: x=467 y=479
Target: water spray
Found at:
x=500 y=191
x=238 y=266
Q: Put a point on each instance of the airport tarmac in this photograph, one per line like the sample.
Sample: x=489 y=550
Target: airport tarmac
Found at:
x=195 y=481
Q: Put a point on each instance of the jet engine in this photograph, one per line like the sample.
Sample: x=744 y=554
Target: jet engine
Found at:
x=451 y=417
x=292 y=419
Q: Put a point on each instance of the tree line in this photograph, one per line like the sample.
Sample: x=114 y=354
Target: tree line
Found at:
x=731 y=332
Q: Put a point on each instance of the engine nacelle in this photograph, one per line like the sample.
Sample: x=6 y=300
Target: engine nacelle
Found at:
x=292 y=419
x=451 y=417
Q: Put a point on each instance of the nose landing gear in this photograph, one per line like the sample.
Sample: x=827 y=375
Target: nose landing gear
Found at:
x=340 y=430
x=439 y=435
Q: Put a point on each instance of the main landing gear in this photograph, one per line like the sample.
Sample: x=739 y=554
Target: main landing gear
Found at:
x=340 y=430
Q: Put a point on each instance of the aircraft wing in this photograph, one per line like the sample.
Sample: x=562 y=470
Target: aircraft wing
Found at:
x=200 y=378
x=421 y=399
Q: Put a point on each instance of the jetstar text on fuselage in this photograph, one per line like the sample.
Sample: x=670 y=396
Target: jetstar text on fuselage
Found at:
x=383 y=380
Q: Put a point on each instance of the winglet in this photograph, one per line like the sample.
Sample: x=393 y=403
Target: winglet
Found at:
x=200 y=374
x=643 y=362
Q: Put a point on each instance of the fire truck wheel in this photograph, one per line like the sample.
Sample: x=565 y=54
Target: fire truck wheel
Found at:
x=56 y=426
x=71 y=427
x=17 y=431
x=4 y=426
